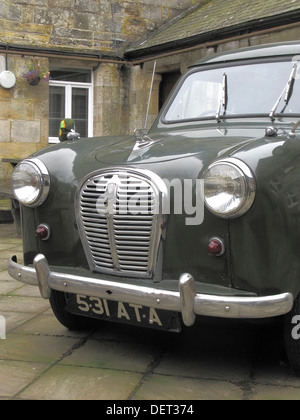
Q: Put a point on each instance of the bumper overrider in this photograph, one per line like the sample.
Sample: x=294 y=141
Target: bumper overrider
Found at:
x=185 y=301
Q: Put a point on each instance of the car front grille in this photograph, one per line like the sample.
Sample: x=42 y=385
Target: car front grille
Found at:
x=119 y=221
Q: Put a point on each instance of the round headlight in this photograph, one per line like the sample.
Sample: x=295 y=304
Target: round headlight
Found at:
x=229 y=188
x=31 y=182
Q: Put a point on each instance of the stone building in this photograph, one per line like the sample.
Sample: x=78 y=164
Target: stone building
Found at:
x=101 y=56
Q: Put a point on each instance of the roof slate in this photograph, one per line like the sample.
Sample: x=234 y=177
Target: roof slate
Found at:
x=213 y=15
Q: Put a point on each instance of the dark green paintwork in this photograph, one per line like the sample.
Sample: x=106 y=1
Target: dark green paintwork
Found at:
x=262 y=252
x=257 y=52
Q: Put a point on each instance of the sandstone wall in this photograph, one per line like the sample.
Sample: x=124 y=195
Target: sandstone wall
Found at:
x=98 y=25
x=73 y=26
x=90 y=26
x=24 y=116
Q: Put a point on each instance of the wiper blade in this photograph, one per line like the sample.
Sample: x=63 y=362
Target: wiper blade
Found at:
x=287 y=90
x=224 y=99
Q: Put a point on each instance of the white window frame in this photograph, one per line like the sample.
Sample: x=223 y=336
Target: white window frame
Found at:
x=68 y=102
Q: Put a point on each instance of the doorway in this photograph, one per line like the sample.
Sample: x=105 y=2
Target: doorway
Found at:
x=168 y=80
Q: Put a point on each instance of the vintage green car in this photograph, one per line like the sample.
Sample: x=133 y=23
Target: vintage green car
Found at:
x=198 y=217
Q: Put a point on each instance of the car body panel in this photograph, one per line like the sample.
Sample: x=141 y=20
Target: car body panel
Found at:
x=261 y=255
x=187 y=153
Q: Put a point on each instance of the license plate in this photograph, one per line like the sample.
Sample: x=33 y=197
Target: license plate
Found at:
x=128 y=313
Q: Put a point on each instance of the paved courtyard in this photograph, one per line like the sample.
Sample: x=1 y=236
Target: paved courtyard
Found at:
x=216 y=359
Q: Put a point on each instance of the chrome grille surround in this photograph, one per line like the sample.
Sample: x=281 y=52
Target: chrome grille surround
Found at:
x=120 y=220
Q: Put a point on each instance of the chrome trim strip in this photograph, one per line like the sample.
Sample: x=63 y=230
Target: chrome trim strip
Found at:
x=43 y=274
x=187 y=298
x=185 y=301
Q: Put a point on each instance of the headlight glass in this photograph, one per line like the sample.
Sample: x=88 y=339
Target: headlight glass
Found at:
x=229 y=188
x=31 y=182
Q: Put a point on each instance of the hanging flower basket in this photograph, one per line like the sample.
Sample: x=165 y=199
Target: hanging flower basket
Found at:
x=35 y=72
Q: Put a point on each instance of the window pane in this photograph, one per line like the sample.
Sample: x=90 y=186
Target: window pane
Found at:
x=80 y=110
x=201 y=93
x=71 y=75
x=56 y=109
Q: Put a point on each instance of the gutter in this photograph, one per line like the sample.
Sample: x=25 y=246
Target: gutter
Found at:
x=209 y=44
x=139 y=57
x=52 y=53
x=248 y=29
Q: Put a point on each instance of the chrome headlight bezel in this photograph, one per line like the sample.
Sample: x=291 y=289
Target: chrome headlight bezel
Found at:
x=223 y=203
x=31 y=182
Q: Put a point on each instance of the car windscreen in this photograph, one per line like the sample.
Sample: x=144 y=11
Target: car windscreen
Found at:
x=266 y=89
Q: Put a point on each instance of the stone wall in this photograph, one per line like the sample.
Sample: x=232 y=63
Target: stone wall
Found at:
x=100 y=27
x=24 y=116
x=97 y=25
x=111 y=107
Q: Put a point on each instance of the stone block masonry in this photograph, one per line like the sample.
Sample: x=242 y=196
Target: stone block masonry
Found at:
x=90 y=24
x=73 y=26
x=24 y=117
x=104 y=28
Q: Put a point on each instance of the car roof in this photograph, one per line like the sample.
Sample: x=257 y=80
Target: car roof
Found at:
x=260 y=51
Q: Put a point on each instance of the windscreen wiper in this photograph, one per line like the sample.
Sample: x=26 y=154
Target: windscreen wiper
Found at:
x=224 y=98
x=287 y=90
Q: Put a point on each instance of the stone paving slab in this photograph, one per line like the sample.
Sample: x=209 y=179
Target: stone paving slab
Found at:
x=16 y=375
x=161 y=387
x=23 y=304
x=125 y=356
x=41 y=349
x=214 y=360
x=75 y=383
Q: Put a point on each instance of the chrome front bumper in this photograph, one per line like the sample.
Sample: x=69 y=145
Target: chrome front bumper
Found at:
x=185 y=301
